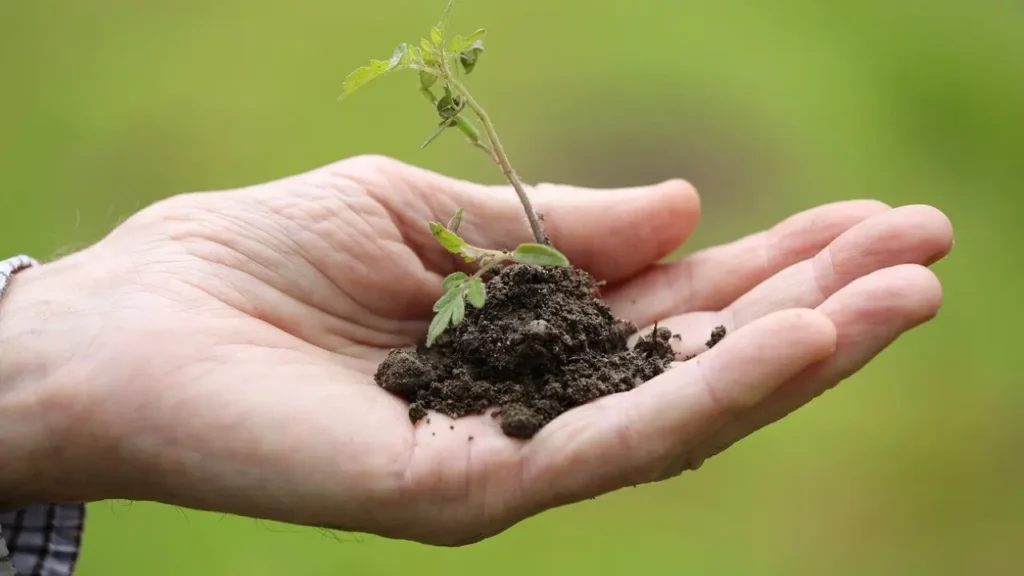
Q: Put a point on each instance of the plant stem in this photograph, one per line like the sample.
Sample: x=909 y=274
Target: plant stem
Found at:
x=499 y=154
x=500 y=258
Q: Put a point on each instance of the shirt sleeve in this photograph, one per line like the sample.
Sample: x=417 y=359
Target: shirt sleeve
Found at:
x=41 y=540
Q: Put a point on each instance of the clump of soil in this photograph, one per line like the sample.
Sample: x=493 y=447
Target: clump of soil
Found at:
x=542 y=344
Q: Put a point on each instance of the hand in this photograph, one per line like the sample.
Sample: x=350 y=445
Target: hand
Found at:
x=217 y=350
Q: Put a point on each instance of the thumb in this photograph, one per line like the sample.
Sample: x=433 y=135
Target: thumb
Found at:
x=616 y=233
x=611 y=233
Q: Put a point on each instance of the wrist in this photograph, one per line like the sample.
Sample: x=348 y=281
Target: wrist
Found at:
x=35 y=451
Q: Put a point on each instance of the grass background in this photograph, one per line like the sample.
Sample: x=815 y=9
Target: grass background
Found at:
x=914 y=466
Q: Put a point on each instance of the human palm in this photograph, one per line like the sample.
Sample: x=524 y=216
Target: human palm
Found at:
x=246 y=327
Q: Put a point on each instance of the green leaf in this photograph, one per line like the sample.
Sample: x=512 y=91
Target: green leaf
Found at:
x=449 y=105
x=470 y=56
x=459 y=43
x=450 y=240
x=446 y=300
x=431 y=57
x=427 y=79
x=362 y=76
x=477 y=293
x=458 y=309
x=455 y=244
x=438 y=325
x=454 y=279
x=436 y=37
x=402 y=59
x=456 y=220
x=539 y=255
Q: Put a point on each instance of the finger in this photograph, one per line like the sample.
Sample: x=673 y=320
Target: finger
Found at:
x=869 y=315
x=713 y=278
x=611 y=233
x=645 y=434
x=906 y=235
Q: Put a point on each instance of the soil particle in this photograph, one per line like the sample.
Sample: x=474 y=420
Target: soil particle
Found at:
x=716 y=336
x=543 y=344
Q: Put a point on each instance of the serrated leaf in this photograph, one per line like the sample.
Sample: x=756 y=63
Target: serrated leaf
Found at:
x=539 y=255
x=431 y=57
x=477 y=292
x=446 y=300
x=436 y=37
x=438 y=325
x=458 y=307
x=456 y=220
x=454 y=279
x=363 y=75
x=458 y=44
x=401 y=59
x=450 y=240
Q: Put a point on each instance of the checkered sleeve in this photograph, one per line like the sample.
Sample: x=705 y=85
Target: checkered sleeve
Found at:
x=41 y=540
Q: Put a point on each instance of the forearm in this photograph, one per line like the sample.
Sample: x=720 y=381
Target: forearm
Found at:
x=31 y=454
x=18 y=425
x=40 y=516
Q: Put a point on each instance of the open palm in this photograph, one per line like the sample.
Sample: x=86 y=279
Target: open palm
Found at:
x=248 y=325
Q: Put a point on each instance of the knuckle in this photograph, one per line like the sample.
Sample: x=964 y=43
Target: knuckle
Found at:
x=372 y=162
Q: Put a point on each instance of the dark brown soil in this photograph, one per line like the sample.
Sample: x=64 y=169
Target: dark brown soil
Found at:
x=542 y=344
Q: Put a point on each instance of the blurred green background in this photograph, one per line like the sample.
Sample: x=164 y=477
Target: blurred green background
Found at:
x=914 y=466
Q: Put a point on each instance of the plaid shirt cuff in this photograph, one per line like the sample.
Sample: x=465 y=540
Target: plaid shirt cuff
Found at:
x=41 y=540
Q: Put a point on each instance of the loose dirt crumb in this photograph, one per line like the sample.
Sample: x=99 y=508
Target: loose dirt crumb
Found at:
x=716 y=336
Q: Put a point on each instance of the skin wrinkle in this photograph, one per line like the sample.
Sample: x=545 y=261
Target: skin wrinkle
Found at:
x=437 y=198
x=245 y=305
x=414 y=232
x=823 y=269
x=569 y=433
x=678 y=282
x=335 y=253
x=388 y=312
x=769 y=246
x=706 y=384
x=403 y=225
x=283 y=249
x=324 y=480
x=361 y=265
x=351 y=332
x=353 y=171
